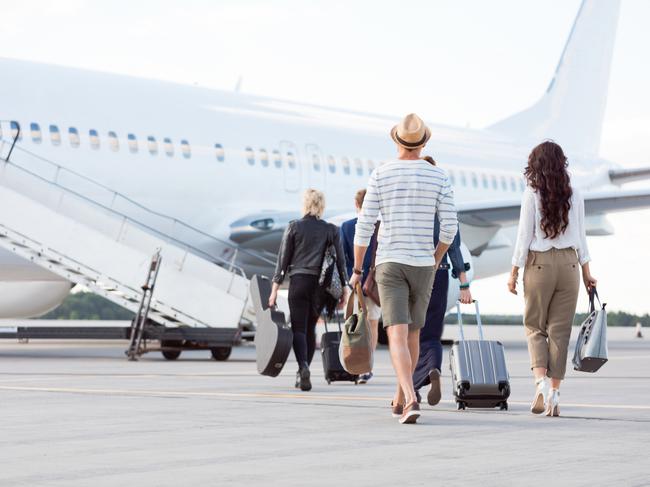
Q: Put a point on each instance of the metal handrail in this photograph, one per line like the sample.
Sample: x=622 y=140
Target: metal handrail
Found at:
x=230 y=264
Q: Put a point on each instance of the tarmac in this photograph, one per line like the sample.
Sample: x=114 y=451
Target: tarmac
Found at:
x=80 y=414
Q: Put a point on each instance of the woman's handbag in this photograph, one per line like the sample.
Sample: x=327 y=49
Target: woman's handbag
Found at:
x=370 y=287
x=356 y=350
x=330 y=277
x=591 y=346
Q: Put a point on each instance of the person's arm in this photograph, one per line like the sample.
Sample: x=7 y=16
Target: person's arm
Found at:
x=446 y=211
x=348 y=252
x=365 y=227
x=340 y=263
x=284 y=259
x=458 y=268
x=583 y=251
x=525 y=235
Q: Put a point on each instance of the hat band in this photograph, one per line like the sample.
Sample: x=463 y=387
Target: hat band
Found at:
x=411 y=144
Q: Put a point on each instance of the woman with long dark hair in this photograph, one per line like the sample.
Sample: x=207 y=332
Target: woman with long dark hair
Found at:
x=551 y=246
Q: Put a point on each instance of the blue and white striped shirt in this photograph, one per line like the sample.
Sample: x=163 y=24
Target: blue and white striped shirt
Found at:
x=407 y=194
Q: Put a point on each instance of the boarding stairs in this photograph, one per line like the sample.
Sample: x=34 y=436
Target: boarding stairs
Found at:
x=101 y=239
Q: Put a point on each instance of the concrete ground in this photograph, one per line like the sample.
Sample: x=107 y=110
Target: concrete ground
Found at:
x=79 y=414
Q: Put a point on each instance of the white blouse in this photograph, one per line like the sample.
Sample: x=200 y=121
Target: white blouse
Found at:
x=531 y=237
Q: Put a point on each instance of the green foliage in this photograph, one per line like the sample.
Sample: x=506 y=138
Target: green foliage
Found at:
x=88 y=306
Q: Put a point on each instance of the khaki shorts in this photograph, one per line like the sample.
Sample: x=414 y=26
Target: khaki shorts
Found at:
x=404 y=291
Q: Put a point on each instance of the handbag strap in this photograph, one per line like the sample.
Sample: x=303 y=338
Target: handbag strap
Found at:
x=374 y=247
x=349 y=310
x=593 y=294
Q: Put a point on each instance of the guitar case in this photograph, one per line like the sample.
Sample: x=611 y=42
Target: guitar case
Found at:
x=273 y=337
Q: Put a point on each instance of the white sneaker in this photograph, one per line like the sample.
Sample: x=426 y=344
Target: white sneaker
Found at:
x=553 y=403
x=541 y=394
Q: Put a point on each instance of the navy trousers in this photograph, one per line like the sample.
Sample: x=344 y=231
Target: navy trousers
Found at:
x=431 y=333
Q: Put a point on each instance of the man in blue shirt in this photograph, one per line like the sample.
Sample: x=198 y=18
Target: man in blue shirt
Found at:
x=347 y=240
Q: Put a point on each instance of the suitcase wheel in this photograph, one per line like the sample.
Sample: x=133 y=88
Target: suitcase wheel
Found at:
x=504 y=406
x=460 y=405
x=329 y=381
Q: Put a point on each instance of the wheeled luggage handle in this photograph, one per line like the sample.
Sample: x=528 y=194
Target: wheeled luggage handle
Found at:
x=478 y=320
x=338 y=320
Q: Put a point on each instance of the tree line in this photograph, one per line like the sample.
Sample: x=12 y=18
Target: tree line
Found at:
x=89 y=306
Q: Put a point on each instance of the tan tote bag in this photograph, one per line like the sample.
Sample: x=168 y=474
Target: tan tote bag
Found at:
x=355 y=349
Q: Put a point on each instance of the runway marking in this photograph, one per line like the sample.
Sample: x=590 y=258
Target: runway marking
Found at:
x=276 y=395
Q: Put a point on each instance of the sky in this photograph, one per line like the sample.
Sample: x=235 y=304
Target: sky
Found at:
x=455 y=62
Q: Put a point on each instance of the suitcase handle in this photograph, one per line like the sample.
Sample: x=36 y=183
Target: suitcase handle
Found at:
x=478 y=320
x=338 y=319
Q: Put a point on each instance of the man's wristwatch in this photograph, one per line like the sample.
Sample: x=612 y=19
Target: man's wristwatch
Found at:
x=357 y=271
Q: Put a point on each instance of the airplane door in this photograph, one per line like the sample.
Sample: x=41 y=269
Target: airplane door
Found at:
x=291 y=166
x=315 y=166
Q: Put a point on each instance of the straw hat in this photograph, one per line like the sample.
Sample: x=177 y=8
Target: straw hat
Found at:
x=411 y=132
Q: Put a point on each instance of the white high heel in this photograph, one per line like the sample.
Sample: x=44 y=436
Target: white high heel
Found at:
x=553 y=403
x=541 y=393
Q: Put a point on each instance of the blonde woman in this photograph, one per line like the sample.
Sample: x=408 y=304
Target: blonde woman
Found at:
x=300 y=258
x=552 y=246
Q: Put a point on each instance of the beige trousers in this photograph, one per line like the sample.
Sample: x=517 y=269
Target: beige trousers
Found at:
x=551 y=286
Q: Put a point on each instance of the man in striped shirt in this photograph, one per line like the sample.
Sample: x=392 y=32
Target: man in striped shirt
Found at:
x=408 y=193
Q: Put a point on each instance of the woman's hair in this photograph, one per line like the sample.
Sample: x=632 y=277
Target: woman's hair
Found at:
x=359 y=197
x=313 y=203
x=547 y=174
x=430 y=160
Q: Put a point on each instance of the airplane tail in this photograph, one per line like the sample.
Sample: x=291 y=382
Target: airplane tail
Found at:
x=572 y=109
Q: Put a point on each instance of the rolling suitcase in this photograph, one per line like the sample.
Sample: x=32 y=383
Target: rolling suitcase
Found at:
x=273 y=337
x=329 y=349
x=478 y=370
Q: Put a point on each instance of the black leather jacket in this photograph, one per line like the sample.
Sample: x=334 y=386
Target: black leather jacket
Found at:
x=303 y=246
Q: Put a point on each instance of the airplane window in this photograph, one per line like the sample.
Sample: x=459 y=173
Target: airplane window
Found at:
x=474 y=180
x=315 y=162
x=371 y=167
x=346 y=165
x=133 y=143
x=74 y=137
x=331 y=163
x=35 y=129
x=264 y=158
x=504 y=184
x=277 y=160
x=113 y=142
x=93 y=136
x=359 y=166
x=513 y=184
x=185 y=149
x=55 y=135
x=250 y=156
x=152 y=145
x=291 y=160
x=463 y=179
x=169 y=147
x=218 y=149
x=495 y=184
x=522 y=185
x=14 y=130
x=484 y=180
x=452 y=178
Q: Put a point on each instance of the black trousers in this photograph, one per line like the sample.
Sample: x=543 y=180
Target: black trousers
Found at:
x=431 y=334
x=303 y=291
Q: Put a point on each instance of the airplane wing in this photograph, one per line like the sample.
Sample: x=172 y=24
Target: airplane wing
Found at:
x=490 y=214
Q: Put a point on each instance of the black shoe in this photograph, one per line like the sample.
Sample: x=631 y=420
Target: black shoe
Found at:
x=303 y=379
x=435 y=393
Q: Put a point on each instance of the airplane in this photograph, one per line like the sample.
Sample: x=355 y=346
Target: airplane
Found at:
x=235 y=165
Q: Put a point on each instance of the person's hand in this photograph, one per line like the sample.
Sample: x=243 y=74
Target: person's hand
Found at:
x=590 y=282
x=273 y=298
x=512 y=283
x=465 y=296
x=355 y=279
x=343 y=299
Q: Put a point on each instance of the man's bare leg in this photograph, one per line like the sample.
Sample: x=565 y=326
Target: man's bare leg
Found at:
x=401 y=357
